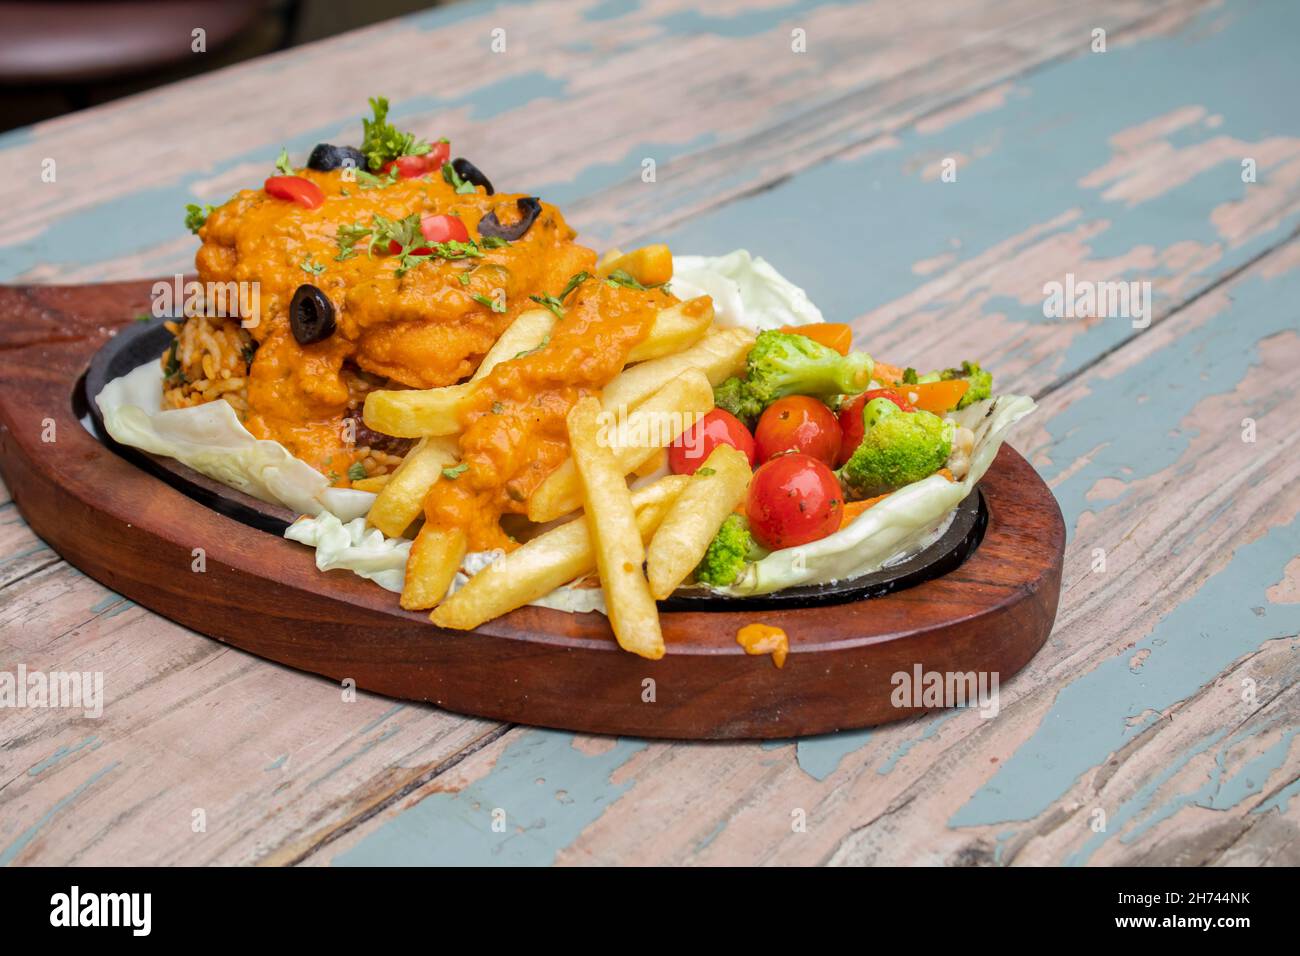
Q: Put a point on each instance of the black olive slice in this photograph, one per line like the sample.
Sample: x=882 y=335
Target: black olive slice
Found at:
x=326 y=157
x=311 y=315
x=530 y=208
x=472 y=174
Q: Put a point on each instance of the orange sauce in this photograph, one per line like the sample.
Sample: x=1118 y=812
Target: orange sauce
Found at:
x=515 y=433
x=764 y=639
x=423 y=329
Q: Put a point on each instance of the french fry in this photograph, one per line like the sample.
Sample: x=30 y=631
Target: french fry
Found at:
x=649 y=265
x=605 y=264
x=548 y=561
x=694 y=518
x=660 y=419
x=435 y=557
x=719 y=355
x=675 y=328
x=375 y=483
x=652 y=464
x=615 y=537
x=524 y=334
x=417 y=413
x=402 y=498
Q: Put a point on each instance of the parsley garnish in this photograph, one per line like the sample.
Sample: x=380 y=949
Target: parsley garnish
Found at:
x=463 y=278
x=620 y=277
x=455 y=471
x=493 y=242
x=196 y=216
x=369 y=181
x=453 y=179
x=495 y=304
x=308 y=265
x=347 y=237
x=356 y=471
x=497 y=408
x=384 y=142
x=282 y=163
x=551 y=302
x=556 y=303
x=705 y=471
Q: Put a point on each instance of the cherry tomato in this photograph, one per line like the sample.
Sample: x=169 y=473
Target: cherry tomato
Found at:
x=851 y=424
x=295 y=189
x=718 y=427
x=797 y=423
x=443 y=229
x=413 y=167
x=793 y=499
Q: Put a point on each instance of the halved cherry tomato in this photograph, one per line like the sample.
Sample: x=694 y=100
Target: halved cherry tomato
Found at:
x=833 y=335
x=798 y=423
x=295 y=189
x=413 y=167
x=793 y=499
x=852 y=425
x=435 y=229
x=443 y=229
x=718 y=427
x=937 y=397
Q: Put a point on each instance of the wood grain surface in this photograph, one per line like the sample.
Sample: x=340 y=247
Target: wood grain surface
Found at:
x=1157 y=725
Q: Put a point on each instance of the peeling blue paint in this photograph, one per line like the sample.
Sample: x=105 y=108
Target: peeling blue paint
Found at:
x=52 y=759
x=11 y=852
x=819 y=757
x=456 y=828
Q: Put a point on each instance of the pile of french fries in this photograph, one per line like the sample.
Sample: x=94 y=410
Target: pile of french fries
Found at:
x=641 y=544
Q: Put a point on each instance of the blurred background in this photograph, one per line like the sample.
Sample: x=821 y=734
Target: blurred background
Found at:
x=62 y=55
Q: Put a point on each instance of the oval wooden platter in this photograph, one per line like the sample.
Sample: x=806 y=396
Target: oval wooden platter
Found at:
x=138 y=535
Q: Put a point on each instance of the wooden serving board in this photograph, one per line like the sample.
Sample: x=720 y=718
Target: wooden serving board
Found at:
x=138 y=535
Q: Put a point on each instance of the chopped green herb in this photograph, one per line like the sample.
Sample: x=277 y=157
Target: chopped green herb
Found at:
x=453 y=179
x=620 y=277
x=343 y=191
x=356 y=471
x=463 y=278
x=493 y=242
x=282 y=163
x=334 y=476
x=455 y=471
x=551 y=302
x=347 y=237
x=573 y=283
x=370 y=181
x=308 y=265
x=492 y=302
x=705 y=470
x=384 y=142
x=196 y=216
x=172 y=367
x=497 y=408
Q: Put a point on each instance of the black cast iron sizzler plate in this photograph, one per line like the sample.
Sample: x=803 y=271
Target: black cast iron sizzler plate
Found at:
x=147 y=340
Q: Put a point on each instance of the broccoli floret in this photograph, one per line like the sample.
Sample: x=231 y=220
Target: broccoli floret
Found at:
x=728 y=553
x=781 y=364
x=981 y=382
x=897 y=449
x=734 y=396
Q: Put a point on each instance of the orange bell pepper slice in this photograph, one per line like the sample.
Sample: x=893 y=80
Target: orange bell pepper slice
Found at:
x=937 y=397
x=833 y=335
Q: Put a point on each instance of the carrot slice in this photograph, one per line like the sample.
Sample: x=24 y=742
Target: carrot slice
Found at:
x=833 y=335
x=937 y=397
x=852 y=509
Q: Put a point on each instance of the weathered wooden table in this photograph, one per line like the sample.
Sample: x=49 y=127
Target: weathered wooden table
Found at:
x=924 y=170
